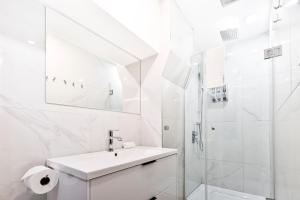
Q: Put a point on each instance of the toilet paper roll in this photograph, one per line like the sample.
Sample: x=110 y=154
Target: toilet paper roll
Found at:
x=40 y=179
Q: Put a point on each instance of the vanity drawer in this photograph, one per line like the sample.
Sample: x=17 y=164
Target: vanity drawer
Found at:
x=137 y=183
x=168 y=194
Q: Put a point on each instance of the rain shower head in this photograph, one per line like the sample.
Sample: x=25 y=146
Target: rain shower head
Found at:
x=229 y=34
x=227 y=2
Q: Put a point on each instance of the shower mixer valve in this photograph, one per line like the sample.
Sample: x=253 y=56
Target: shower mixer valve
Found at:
x=194 y=137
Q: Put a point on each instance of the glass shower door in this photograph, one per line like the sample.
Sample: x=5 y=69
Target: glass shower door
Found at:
x=239 y=144
x=194 y=136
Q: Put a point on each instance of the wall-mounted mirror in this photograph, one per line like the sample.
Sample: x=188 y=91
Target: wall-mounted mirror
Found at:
x=85 y=70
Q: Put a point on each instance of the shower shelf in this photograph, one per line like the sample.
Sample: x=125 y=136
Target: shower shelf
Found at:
x=218 y=94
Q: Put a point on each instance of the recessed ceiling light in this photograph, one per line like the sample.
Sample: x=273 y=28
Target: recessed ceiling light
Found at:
x=31 y=42
x=251 y=19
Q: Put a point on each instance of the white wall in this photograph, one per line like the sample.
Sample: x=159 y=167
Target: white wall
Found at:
x=142 y=17
x=152 y=81
x=103 y=23
x=32 y=131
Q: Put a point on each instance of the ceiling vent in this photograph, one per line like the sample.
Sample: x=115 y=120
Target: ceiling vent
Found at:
x=229 y=34
x=227 y=2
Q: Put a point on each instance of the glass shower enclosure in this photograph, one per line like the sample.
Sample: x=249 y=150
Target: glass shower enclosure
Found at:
x=237 y=140
x=228 y=151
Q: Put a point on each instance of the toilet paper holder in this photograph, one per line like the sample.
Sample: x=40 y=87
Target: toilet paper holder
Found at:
x=40 y=179
x=45 y=180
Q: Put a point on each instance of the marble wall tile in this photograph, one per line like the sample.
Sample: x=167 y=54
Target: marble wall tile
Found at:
x=29 y=137
x=23 y=76
x=296 y=74
x=287 y=114
x=225 y=174
x=256 y=140
x=287 y=162
x=256 y=98
x=225 y=142
x=257 y=180
x=287 y=145
x=230 y=111
x=287 y=184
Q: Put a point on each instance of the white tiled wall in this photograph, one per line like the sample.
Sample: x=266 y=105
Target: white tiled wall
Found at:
x=238 y=150
x=287 y=101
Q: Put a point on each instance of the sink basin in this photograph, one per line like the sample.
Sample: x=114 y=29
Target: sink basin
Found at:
x=92 y=165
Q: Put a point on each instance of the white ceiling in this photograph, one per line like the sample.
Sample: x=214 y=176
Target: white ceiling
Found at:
x=208 y=17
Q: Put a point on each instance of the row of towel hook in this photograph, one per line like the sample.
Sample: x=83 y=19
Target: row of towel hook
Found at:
x=66 y=82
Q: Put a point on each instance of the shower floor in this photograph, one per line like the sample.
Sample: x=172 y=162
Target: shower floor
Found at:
x=216 y=193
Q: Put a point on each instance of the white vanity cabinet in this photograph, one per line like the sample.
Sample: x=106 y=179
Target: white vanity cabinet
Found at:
x=151 y=178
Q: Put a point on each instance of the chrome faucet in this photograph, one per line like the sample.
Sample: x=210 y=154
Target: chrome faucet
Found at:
x=111 y=140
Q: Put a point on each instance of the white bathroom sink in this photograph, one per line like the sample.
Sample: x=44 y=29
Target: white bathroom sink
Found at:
x=93 y=165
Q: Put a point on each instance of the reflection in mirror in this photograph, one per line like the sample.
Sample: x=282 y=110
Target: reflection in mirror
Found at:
x=85 y=70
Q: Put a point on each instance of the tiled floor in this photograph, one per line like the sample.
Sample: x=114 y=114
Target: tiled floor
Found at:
x=216 y=193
